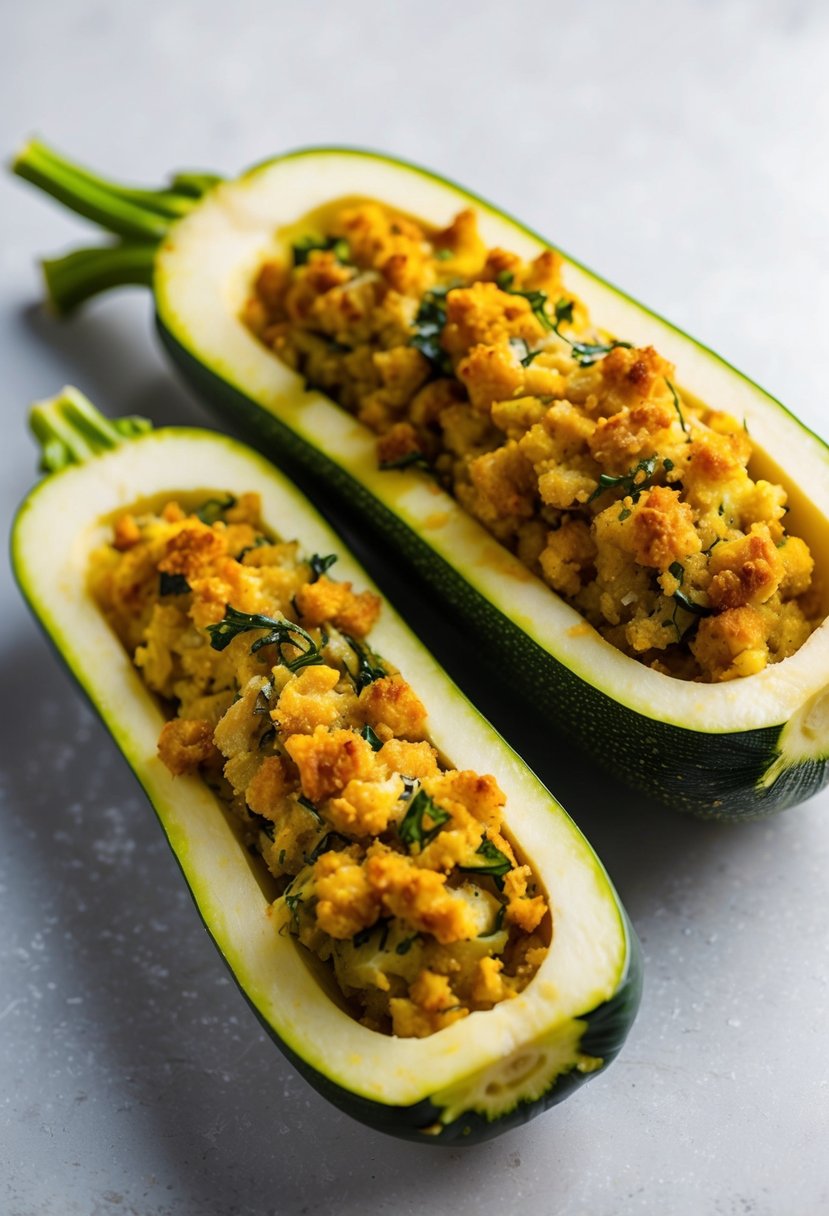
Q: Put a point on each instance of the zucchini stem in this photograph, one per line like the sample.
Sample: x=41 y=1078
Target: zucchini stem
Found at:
x=70 y=430
x=73 y=279
x=127 y=211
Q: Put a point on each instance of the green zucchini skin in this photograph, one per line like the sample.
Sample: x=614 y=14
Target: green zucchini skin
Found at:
x=606 y=1029
x=714 y=772
x=713 y=776
x=597 y=1032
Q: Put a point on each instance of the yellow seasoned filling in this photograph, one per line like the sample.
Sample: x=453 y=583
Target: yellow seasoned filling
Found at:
x=575 y=450
x=393 y=866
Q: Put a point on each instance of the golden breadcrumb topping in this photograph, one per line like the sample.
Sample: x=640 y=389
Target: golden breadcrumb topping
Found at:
x=393 y=867
x=576 y=450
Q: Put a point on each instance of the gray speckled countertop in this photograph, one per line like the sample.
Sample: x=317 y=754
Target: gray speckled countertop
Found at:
x=681 y=149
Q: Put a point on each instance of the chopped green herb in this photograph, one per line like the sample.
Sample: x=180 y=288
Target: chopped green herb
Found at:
x=588 y=353
x=337 y=348
x=365 y=935
x=678 y=408
x=443 y=255
x=585 y=353
x=292 y=902
x=211 y=511
x=692 y=606
x=633 y=482
x=682 y=600
x=319 y=848
x=309 y=806
x=306 y=245
x=495 y=863
x=563 y=313
x=369 y=665
x=257 y=544
x=422 y=821
x=521 y=344
x=409 y=785
x=267 y=737
x=428 y=326
x=320 y=565
x=409 y=460
x=371 y=738
x=280 y=634
x=325 y=844
x=266 y=826
x=537 y=301
x=281 y=858
x=624 y=514
x=172 y=584
x=404 y=946
x=497 y=923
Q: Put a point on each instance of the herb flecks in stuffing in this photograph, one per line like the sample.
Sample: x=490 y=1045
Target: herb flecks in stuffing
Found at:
x=571 y=445
x=392 y=868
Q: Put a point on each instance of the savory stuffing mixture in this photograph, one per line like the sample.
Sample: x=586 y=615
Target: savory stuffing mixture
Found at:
x=392 y=865
x=575 y=450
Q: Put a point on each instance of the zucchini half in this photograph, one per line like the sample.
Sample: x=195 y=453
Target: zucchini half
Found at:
x=727 y=750
x=470 y=1081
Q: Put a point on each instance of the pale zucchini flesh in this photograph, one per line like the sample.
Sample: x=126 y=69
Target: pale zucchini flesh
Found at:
x=472 y=1079
x=717 y=750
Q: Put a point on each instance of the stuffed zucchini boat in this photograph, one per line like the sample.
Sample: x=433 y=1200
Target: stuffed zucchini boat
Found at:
x=652 y=572
x=436 y=948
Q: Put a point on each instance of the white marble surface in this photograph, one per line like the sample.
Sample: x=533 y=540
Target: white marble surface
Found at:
x=679 y=148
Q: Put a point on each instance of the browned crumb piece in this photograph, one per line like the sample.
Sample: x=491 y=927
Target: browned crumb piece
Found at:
x=431 y=1006
x=392 y=708
x=397 y=444
x=271 y=783
x=745 y=571
x=127 y=532
x=326 y=600
x=185 y=744
x=346 y=901
x=328 y=759
x=418 y=896
x=663 y=529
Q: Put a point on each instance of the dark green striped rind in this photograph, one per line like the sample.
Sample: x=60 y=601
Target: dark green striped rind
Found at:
x=606 y=1026
x=605 y=1029
x=715 y=776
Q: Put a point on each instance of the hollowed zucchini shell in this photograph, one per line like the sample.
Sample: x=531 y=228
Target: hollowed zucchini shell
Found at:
x=471 y=1081
x=729 y=750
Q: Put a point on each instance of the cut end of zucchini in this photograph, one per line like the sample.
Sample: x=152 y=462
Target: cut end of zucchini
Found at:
x=804 y=740
x=525 y=1053
x=700 y=748
x=714 y=750
x=524 y=1075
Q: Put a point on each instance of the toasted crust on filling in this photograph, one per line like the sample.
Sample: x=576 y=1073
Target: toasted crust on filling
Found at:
x=320 y=749
x=578 y=452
